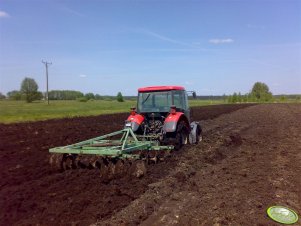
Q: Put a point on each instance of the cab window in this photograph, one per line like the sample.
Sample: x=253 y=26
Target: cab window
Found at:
x=179 y=98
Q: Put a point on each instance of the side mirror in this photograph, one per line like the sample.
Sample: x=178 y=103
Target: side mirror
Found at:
x=194 y=95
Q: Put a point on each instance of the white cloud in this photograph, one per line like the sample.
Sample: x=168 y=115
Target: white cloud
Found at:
x=163 y=38
x=221 y=41
x=72 y=11
x=4 y=14
x=83 y=76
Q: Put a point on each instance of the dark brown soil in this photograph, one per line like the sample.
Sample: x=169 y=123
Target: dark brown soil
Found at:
x=249 y=159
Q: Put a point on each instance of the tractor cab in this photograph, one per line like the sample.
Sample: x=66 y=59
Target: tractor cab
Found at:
x=162 y=100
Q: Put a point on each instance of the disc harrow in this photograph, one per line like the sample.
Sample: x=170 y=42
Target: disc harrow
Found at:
x=114 y=154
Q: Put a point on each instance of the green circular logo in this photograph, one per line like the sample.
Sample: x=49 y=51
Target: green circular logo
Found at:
x=282 y=214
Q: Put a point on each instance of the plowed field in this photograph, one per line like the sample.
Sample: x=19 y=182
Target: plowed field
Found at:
x=249 y=159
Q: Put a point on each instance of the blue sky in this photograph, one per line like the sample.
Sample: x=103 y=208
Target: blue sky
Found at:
x=102 y=46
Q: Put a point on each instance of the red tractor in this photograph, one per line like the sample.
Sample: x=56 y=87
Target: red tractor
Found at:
x=160 y=123
x=163 y=115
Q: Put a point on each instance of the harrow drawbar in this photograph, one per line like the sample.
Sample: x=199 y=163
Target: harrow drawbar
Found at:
x=114 y=154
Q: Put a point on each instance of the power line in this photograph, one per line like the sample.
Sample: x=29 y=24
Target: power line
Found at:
x=46 y=65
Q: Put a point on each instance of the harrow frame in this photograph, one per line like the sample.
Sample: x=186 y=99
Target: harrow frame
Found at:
x=123 y=148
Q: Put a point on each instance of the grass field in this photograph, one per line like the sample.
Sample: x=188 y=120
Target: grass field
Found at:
x=19 y=111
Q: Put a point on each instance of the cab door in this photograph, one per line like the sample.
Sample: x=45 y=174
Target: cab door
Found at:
x=180 y=100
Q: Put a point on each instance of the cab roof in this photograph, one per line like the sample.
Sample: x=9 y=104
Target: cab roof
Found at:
x=159 y=88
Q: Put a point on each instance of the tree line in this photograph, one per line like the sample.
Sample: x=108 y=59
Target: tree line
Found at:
x=260 y=93
x=29 y=92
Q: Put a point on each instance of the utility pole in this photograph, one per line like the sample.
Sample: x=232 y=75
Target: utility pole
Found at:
x=46 y=65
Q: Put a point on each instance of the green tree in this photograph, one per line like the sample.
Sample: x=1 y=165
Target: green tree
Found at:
x=90 y=96
x=229 y=99
x=283 y=98
x=251 y=97
x=120 y=97
x=14 y=95
x=2 y=96
x=224 y=97
x=29 y=89
x=98 y=97
x=64 y=95
x=39 y=95
x=234 y=97
x=245 y=98
x=82 y=99
x=261 y=92
x=239 y=97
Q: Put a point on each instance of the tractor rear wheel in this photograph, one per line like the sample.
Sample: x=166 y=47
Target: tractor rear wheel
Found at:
x=181 y=135
x=199 y=136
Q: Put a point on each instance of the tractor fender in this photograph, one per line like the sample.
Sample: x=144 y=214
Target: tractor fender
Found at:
x=171 y=122
x=134 y=121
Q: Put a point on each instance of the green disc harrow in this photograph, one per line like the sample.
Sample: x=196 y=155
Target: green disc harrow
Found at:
x=112 y=153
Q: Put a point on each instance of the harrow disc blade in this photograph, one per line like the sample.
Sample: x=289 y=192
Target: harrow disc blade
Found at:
x=103 y=165
x=62 y=162
x=92 y=162
x=86 y=162
x=67 y=162
x=120 y=167
x=116 y=168
x=137 y=168
x=55 y=161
